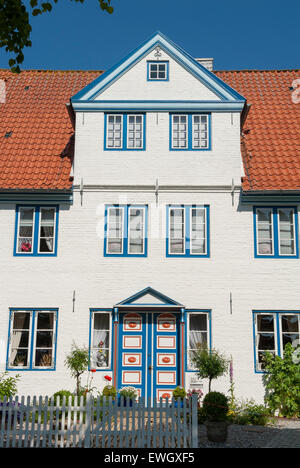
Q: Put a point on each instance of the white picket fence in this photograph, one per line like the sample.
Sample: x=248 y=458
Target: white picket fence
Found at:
x=98 y=422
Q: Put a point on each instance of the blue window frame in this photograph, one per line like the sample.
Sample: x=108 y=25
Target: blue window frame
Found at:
x=32 y=339
x=187 y=231
x=157 y=70
x=272 y=330
x=101 y=339
x=197 y=333
x=275 y=232
x=36 y=231
x=125 y=132
x=190 y=132
x=125 y=233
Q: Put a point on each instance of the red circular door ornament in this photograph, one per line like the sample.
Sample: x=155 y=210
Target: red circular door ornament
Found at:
x=131 y=359
x=166 y=325
x=132 y=325
x=166 y=395
x=166 y=360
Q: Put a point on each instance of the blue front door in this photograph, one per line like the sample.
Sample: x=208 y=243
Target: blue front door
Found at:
x=148 y=357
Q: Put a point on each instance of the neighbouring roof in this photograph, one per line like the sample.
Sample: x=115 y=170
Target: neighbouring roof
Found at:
x=37 y=136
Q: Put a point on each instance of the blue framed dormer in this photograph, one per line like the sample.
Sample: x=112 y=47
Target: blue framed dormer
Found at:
x=275 y=232
x=188 y=231
x=158 y=70
x=190 y=131
x=125 y=132
x=125 y=231
x=36 y=231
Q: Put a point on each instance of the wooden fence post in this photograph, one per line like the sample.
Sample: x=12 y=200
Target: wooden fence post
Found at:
x=194 y=441
x=88 y=421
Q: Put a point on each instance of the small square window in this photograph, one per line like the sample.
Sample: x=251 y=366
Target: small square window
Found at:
x=158 y=71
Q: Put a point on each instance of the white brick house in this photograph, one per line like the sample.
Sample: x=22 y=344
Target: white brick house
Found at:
x=147 y=233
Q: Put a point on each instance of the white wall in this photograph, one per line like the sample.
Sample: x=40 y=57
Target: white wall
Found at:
x=215 y=167
x=102 y=282
x=133 y=85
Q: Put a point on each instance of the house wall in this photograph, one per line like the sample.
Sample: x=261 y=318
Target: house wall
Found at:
x=217 y=166
x=102 y=282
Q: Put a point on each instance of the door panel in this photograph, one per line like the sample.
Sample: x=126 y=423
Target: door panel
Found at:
x=165 y=350
x=148 y=353
x=132 y=357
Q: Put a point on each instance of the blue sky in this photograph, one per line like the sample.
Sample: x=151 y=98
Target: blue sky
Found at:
x=258 y=34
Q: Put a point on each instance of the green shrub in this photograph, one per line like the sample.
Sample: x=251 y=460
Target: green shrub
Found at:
x=215 y=407
x=8 y=385
x=109 y=391
x=209 y=364
x=201 y=416
x=58 y=397
x=179 y=392
x=282 y=382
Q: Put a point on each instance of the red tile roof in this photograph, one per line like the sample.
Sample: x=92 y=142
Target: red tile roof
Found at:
x=271 y=141
x=38 y=153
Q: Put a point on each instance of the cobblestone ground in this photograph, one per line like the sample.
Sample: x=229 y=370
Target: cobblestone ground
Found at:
x=282 y=434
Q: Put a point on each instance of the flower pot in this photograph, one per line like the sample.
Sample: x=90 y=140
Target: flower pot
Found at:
x=125 y=402
x=217 y=431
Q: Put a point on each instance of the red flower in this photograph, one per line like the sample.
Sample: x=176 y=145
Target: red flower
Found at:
x=93 y=370
x=108 y=377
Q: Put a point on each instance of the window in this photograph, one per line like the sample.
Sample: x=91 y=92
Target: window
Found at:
x=275 y=232
x=273 y=330
x=101 y=340
x=125 y=230
x=188 y=231
x=32 y=338
x=124 y=132
x=36 y=230
x=158 y=71
x=190 y=131
x=198 y=334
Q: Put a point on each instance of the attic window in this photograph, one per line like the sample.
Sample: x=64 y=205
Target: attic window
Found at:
x=158 y=71
x=8 y=134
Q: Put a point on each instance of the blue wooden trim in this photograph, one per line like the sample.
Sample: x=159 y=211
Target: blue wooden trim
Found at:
x=159 y=106
x=208 y=312
x=277 y=337
x=208 y=78
x=149 y=62
x=275 y=231
x=187 y=253
x=190 y=131
x=112 y=334
x=35 y=234
x=36 y=198
x=162 y=297
x=125 y=231
x=124 y=132
x=31 y=344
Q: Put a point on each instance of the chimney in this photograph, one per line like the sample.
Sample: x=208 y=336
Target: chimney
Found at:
x=206 y=62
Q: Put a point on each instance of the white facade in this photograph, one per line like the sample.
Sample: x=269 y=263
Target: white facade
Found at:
x=231 y=283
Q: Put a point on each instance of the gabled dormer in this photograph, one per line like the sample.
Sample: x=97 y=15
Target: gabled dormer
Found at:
x=158 y=75
x=157 y=102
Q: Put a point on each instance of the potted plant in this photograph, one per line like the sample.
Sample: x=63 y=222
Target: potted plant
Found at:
x=179 y=394
x=109 y=391
x=129 y=394
x=214 y=412
x=19 y=361
x=46 y=360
